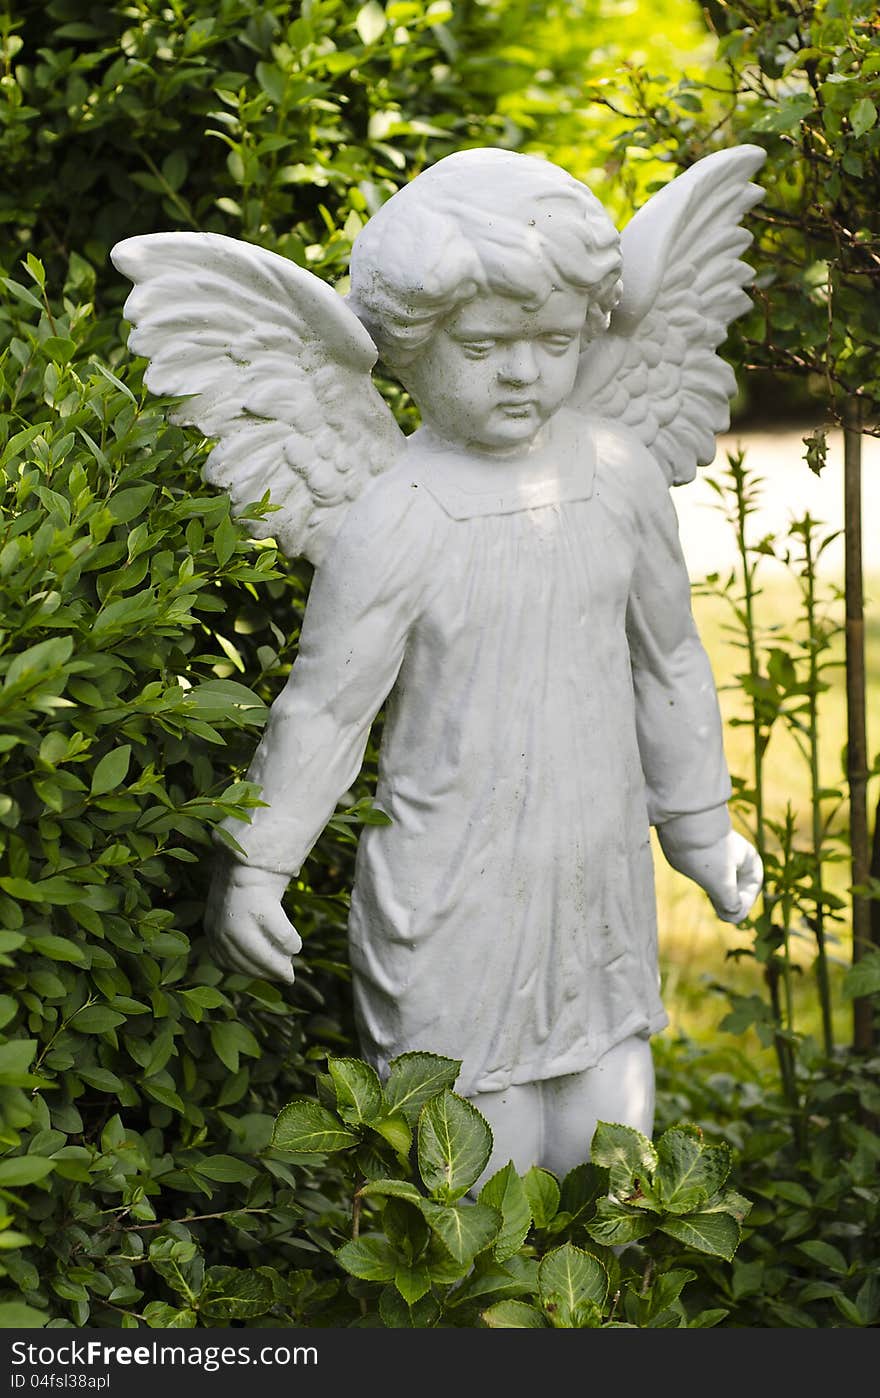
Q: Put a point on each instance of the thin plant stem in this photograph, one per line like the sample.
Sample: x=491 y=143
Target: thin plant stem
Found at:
x=780 y=1042
x=822 y=977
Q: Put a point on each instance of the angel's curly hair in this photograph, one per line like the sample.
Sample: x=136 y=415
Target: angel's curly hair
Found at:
x=480 y=220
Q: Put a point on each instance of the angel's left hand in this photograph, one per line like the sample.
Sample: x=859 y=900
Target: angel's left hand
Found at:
x=730 y=871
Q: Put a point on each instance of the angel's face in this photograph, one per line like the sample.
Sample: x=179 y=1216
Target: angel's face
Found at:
x=496 y=370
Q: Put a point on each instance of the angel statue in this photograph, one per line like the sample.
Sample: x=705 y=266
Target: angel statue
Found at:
x=508 y=581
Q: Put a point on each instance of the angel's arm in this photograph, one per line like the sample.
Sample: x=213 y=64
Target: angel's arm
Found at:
x=361 y=606
x=677 y=715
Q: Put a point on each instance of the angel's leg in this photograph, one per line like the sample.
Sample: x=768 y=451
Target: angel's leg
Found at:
x=515 y=1118
x=619 y=1088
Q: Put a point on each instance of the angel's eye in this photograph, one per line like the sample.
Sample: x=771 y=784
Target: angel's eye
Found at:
x=477 y=349
x=558 y=341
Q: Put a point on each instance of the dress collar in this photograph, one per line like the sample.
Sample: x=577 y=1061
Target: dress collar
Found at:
x=559 y=466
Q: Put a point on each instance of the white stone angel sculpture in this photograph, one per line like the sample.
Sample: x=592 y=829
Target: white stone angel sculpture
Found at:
x=508 y=580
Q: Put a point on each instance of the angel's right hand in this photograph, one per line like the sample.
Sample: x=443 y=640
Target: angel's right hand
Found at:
x=246 y=923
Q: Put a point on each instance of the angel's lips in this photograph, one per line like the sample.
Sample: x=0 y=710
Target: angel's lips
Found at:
x=517 y=408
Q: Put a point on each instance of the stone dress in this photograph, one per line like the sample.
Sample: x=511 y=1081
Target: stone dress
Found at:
x=529 y=623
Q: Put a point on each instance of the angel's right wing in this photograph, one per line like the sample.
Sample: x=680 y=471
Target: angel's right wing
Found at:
x=656 y=370
x=271 y=363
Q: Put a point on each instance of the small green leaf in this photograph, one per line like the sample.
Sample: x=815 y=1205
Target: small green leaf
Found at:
x=396 y=1131
x=393 y=1189
x=230 y=1039
x=371 y=1257
x=616 y=1223
x=513 y=1315
x=413 y=1281
x=465 y=1229
x=717 y=1234
x=398 y=1314
x=358 y=1090
x=505 y=1191
x=542 y=1192
x=226 y=1169
x=15 y=1315
x=567 y=1278
x=96 y=1019
x=863 y=977
x=826 y=1255
x=16 y=1057
x=160 y=1316
x=305 y=1126
x=23 y=1169
x=233 y=1293
x=862 y=116
x=454 y=1145
x=688 y=1172
x=625 y=1152
x=414 y=1078
x=370 y=22
x=111 y=771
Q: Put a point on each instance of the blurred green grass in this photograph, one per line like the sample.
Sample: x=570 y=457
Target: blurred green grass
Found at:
x=695 y=945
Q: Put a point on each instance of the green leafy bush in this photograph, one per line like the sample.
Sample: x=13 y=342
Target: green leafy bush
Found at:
x=613 y=1245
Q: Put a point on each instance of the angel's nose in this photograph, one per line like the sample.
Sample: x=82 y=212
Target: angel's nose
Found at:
x=519 y=364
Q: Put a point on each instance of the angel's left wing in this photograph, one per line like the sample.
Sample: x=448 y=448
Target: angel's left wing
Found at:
x=268 y=360
x=656 y=368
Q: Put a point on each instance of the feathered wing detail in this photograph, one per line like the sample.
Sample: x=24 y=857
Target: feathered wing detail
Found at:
x=656 y=368
x=273 y=365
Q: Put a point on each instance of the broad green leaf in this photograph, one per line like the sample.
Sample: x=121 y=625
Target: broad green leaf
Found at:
x=233 y=1293
x=718 y=1234
x=414 y=1078
x=465 y=1229
x=568 y=1277
x=616 y=1223
x=371 y=1257
x=624 y=1151
x=23 y=1169
x=542 y=1192
x=305 y=1127
x=111 y=771
x=505 y=1191
x=454 y=1145
x=513 y=1315
x=688 y=1172
x=358 y=1090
